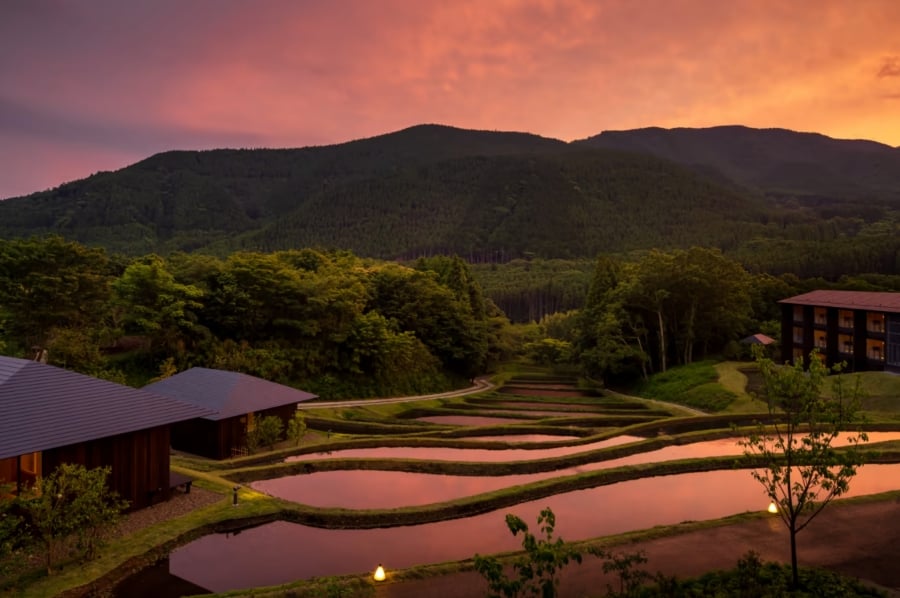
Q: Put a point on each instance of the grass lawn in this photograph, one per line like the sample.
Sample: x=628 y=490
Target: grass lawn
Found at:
x=724 y=387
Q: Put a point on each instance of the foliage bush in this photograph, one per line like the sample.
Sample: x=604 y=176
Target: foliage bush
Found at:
x=71 y=512
x=538 y=570
x=709 y=397
x=752 y=578
x=266 y=433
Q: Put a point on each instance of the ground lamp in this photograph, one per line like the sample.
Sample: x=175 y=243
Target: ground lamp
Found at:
x=379 y=573
x=234 y=497
x=773 y=508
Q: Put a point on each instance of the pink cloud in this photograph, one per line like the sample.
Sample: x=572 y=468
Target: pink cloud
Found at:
x=285 y=73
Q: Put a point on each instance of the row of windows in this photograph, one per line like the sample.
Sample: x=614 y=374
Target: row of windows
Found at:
x=887 y=350
x=874 y=320
x=845 y=343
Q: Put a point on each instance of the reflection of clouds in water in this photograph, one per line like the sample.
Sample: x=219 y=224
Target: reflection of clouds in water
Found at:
x=280 y=552
x=514 y=438
x=372 y=489
x=470 y=420
x=466 y=454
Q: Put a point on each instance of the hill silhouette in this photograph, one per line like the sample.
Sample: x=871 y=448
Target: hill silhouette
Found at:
x=487 y=196
x=776 y=161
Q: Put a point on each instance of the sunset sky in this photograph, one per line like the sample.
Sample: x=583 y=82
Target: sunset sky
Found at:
x=99 y=84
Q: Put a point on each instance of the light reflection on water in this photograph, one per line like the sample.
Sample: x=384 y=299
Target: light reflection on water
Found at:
x=282 y=552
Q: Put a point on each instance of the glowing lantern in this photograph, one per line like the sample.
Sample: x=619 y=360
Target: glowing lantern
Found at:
x=379 y=573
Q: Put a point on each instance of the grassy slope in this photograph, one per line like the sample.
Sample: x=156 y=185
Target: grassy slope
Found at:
x=692 y=385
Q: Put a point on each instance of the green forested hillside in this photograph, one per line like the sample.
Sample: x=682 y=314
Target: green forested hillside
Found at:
x=777 y=161
x=779 y=201
x=496 y=208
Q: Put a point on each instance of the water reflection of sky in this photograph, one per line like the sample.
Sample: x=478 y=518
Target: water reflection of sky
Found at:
x=431 y=453
x=522 y=438
x=472 y=420
x=372 y=489
x=281 y=552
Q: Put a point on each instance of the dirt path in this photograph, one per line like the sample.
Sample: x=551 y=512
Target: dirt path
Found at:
x=860 y=540
x=480 y=384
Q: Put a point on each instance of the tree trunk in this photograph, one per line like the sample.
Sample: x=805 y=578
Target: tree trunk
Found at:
x=643 y=361
x=795 y=575
x=662 y=341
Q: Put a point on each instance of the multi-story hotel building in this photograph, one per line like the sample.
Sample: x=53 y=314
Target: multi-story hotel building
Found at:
x=857 y=327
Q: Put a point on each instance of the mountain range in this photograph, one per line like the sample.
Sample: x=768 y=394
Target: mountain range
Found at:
x=484 y=195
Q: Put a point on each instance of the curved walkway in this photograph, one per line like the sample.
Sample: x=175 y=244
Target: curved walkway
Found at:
x=858 y=539
x=480 y=384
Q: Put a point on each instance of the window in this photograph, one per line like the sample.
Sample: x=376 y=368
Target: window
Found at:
x=798 y=334
x=31 y=463
x=820 y=341
x=845 y=344
x=876 y=322
x=892 y=340
x=845 y=318
x=821 y=318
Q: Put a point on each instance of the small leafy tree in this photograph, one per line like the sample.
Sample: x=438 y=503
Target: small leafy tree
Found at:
x=73 y=502
x=297 y=428
x=801 y=470
x=538 y=569
x=625 y=566
x=266 y=433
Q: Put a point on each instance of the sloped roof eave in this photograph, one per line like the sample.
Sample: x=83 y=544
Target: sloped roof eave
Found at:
x=43 y=407
x=853 y=300
x=228 y=394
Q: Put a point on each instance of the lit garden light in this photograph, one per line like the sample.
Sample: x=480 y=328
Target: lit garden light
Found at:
x=773 y=508
x=379 y=573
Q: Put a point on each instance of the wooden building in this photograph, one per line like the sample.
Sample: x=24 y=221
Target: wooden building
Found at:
x=50 y=416
x=237 y=401
x=857 y=327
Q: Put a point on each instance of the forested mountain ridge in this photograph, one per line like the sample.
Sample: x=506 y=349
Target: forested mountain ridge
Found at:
x=430 y=189
x=776 y=161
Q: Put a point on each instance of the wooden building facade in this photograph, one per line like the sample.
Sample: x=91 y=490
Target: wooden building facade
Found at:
x=237 y=401
x=223 y=438
x=861 y=329
x=50 y=416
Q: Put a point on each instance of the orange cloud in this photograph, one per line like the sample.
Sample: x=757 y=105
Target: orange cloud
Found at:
x=284 y=73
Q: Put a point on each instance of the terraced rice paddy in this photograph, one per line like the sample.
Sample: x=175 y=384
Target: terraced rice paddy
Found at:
x=440 y=492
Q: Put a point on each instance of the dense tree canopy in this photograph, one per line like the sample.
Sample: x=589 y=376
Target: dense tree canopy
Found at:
x=332 y=322
x=662 y=308
x=50 y=284
x=341 y=325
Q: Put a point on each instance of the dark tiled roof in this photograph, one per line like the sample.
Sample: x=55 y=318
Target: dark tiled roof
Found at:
x=227 y=393
x=44 y=407
x=885 y=302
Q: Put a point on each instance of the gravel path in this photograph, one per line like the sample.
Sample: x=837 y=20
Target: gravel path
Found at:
x=180 y=504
